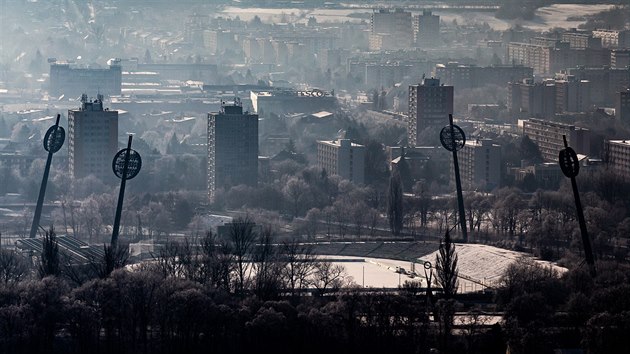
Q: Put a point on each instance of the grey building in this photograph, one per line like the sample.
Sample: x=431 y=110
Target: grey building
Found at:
x=479 y=165
x=92 y=139
x=622 y=106
x=548 y=136
x=73 y=81
x=426 y=28
x=232 y=148
x=342 y=158
x=429 y=106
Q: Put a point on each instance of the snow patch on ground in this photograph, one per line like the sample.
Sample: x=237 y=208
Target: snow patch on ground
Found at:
x=480 y=266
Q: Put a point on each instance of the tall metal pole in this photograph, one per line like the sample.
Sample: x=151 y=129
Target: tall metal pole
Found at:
x=121 y=195
x=53 y=140
x=570 y=167
x=458 y=183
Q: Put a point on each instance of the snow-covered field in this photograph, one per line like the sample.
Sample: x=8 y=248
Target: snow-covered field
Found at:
x=479 y=266
x=546 y=17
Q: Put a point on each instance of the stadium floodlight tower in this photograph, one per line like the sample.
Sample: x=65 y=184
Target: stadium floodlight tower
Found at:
x=453 y=139
x=570 y=166
x=126 y=165
x=53 y=141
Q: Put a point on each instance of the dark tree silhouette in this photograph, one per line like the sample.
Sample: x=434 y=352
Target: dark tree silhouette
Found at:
x=50 y=255
x=113 y=258
x=242 y=240
x=395 y=214
x=446 y=267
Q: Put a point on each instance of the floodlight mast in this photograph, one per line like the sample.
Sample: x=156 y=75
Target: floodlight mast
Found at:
x=53 y=141
x=126 y=165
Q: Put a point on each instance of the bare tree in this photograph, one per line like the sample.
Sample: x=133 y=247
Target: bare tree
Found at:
x=311 y=222
x=395 y=203
x=242 y=238
x=49 y=260
x=216 y=261
x=13 y=267
x=267 y=280
x=167 y=260
x=299 y=263
x=328 y=277
x=373 y=218
x=113 y=258
x=295 y=190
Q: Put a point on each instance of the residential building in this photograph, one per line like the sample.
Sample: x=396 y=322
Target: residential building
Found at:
x=532 y=99
x=605 y=82
x=471 y=76
x=620 y=58
x=426 y=29
x=613 y=38
x=581 y=39
x=548 y=136
x=618 y=156
x=71 y=80
x=218 y=40
x=429 y=106
x=395 y=25
x=547 y=56
x=232 y=148
x=572 y=95
x=622 y=106
x=92 y=140
x=538 y=57
x=479 y=165
x=343 y=158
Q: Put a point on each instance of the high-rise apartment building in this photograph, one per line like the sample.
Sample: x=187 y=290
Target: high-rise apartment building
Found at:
x=393 y=28
x=479 y=165
x=532 y=99
x=426 y=29
x=429 y=106
x=232 y=148
x=342 y=158
x=92 y=139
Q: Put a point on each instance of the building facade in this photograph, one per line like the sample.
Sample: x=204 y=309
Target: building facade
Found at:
x=620 y=58
x=72 y=81
x=479 y=165
x=429 y=106
x=283 y=101
x=426 y=29
x=391 y=24
x=622 y=106
x=547 y=135
x=532 y=99
x=471 y=76
x=232 y=148
x=613 y=38
x=343 y=158
x=604 y=81
x=618 y=156
x=92 y=140
x=581 y=39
